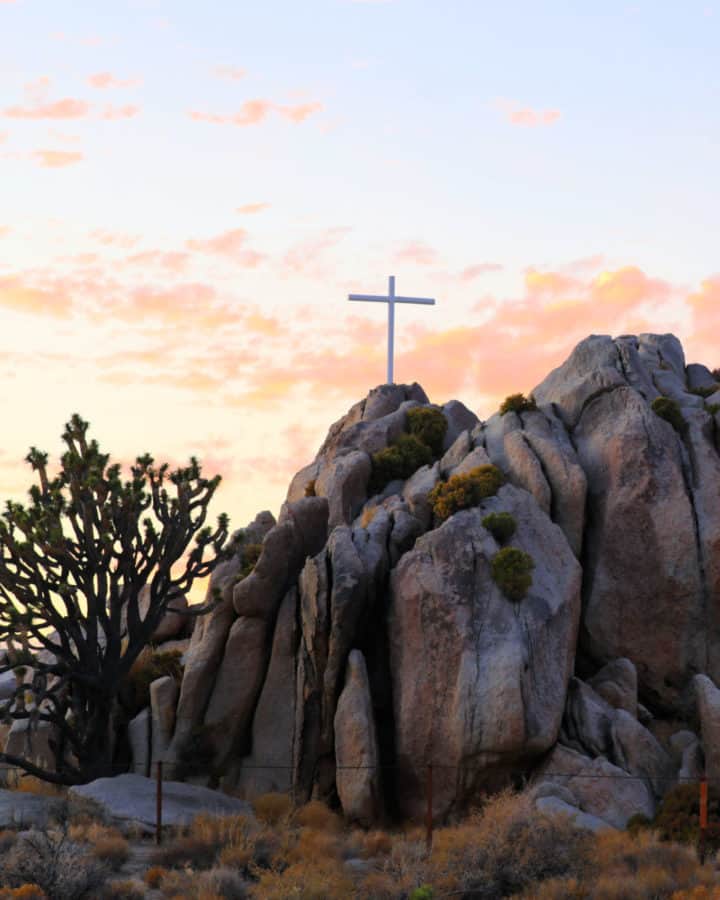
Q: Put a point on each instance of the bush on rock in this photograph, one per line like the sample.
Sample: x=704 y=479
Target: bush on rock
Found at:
x=670 y=411
x=429 y=425
x=463 y=491
x=512 y=572
x=501 y=526
x=400 y=460
x=517 y=403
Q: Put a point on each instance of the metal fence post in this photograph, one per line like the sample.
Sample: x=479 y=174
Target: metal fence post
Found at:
x=158 y=803
x=702 y=841
x=429 y=814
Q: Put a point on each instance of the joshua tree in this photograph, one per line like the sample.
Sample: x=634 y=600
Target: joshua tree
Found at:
x=72 y=565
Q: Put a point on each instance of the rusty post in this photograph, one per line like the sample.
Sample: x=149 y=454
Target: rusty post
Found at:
x=429 y=814
x=702 y=841
x=158 y=804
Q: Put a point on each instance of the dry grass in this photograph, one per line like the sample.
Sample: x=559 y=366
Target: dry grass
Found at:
x=317 y=816
x=272 y=808
x=154 y=876
x=316 y=879
x=24 y=892
x=29 y=784
x=114 y=851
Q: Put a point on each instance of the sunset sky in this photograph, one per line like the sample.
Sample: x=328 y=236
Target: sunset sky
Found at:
x=189 y=191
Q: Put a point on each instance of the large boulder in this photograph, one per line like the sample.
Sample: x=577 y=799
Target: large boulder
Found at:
x=478 y=681
x=356 y=748
x=130 y=801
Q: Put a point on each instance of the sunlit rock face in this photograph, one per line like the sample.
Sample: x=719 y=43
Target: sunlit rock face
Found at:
x=365 y=607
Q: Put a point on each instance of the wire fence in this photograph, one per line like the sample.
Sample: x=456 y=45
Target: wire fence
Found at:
x=161 y=768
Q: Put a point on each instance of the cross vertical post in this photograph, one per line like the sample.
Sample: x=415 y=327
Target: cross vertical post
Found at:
x=391 y=299
x=391 y=329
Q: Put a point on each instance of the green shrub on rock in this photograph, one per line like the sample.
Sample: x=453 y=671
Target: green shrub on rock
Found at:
x=428 y=425
x=706 y=391
x=512 y=572
x=501 y=526
x=464 y=491
x=517 y=403
x=400 y=460
x=669 y=410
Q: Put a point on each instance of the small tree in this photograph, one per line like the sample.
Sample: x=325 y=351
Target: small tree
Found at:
x=72 y=565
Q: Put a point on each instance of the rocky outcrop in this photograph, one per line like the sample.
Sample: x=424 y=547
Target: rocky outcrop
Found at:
x=369 y=630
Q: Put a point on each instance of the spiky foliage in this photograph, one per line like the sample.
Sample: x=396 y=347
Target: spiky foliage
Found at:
x=72 y=564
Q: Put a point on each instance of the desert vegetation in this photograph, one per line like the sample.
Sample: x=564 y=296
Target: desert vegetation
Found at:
x=503 y=848
x=517 y=403
x=512 y=572
x=466 y=490
x=417 y=446
x=669 y=409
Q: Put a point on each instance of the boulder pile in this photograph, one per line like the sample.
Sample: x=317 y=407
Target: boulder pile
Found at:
x=380 y=632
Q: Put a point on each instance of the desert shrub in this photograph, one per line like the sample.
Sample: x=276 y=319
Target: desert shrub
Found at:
x=400 y=460
x=501 y=526
x=637 y=823
x=705 y=391
x=112 y=850
x=424 y=892
x=223 y=883
x=154 y=876
x=310 y=488
x=375 y=843
x=123 y=890
x=678 y=815
x=29 y=784
x=712 y=408
x=463 y=491
x=186 y=852
x=317 y=816
x=148 y=667
x=368 y=514
x=272 y=808
x=429 y=425
x=49 y=859
x=511 y=570
x=517 y=403
x=317 y=879
x=669 y=410
x=7 y=839
x=24 y=892
x=249 y=557
x=222 y=830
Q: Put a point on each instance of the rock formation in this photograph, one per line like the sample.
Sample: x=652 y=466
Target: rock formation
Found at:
x=372 y=639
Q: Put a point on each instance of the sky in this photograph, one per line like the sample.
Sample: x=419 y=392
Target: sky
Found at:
x=188 y=192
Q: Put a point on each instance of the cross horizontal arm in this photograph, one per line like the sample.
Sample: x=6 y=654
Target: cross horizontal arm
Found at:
x=371 y=298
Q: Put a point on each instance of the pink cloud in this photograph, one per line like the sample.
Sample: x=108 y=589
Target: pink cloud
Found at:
x=233 y=73
x=251 y=208
x=526 y=116
x=173 y=262
x=113 y=113
x=57 y=159
x=105 y=80
x=305 y=257
x=252 y=112
x=5 y=230
x=417 y=252
x=231 y=244
x=3 y=136
x=114 y=238
x=471 y=272
x=60 y=109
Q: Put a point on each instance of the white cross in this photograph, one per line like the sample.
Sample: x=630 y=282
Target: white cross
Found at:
x=391 y=300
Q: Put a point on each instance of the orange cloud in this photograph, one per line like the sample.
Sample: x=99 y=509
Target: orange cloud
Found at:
x=471 y=272
x=5 y=230
x=114 y=239
x=51 y=301
x=300 y=112
x=705 y=306
x=305 y=257
x=60 y=109
x=417 y=252
x=3 y=136
x=231 y=244
x=526 y=116
x=113 y=113
x=252 y=208
x=105 y=80
x=627 y=287
x=252 y=112
x=173 y=261
x=233 y=73
x=57 y=159
x=553 y=283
